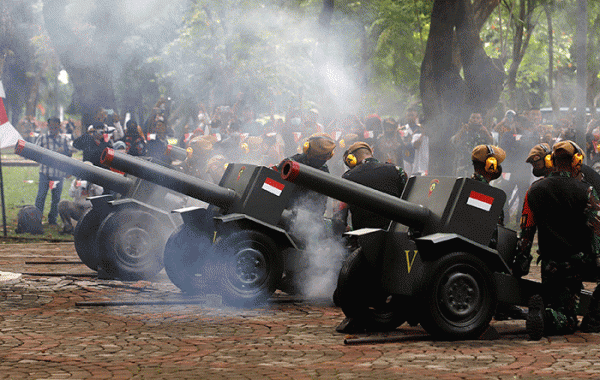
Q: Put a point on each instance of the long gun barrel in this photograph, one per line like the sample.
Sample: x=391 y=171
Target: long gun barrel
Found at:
x=169 y=178
x=102 y=177
x=388 y=206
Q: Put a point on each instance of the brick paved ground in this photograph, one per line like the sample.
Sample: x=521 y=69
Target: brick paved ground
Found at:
x=45 y=334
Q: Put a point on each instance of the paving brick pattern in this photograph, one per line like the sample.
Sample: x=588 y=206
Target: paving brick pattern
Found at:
x=44 y=334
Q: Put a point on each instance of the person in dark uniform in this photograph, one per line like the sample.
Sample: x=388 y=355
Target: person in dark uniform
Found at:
x=316 y=151
x=368 y=171
x=93 y=144
x=385 y=177
x=486 y=165
x=540 y=157
x=565 y=212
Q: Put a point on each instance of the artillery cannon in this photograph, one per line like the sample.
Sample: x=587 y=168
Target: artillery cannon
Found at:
x=236 y=247
x=121 y=236
x=437 y=263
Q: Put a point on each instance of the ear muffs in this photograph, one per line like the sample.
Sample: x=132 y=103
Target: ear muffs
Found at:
x=350 y=160
x=491 y=163
x=306 y=147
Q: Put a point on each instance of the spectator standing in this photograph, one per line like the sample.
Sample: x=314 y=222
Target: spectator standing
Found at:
x=467 y=138
x=51 y=178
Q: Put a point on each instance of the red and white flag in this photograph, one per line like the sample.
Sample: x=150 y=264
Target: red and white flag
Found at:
x=8 y=134
x=369 y=134
x=52 y=184
x=481 y=201
x=273 y=186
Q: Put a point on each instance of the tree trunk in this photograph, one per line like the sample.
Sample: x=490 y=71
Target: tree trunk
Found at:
x=448 y=98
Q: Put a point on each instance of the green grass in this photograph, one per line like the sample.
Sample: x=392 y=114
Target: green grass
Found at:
x=20 y=185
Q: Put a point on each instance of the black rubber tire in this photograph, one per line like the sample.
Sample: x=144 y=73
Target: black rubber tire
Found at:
x=245 y=268
x=84 y=236
x=459 y=298
x=132 y=243
x=186 y=254
x=360 y=297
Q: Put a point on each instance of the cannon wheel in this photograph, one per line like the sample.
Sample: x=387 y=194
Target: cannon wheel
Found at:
x=246 y=268
x=132 y=244
x=460 y=297
x=359 y=296
x=85 y=237
x=185 y=255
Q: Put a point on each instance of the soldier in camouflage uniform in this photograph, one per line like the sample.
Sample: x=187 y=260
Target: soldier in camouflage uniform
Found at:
x=566 y=213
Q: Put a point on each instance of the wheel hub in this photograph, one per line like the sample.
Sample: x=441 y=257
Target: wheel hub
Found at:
x=461 y=294
x=135 y=243
x=250 y=267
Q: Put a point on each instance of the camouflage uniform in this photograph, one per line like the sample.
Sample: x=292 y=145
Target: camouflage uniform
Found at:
x=566 y=228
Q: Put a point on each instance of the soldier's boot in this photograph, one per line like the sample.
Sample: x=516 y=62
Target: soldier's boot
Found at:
x=591 y=321
x=351 y=326
x=535 y=318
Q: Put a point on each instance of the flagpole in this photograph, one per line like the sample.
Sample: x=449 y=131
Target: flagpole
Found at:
x=4 y=54
x=2 y=195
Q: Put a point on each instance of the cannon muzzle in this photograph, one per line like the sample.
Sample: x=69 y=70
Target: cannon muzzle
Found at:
x=386 y=205
x=102 y=177
x=169 y=178
x=177 y=153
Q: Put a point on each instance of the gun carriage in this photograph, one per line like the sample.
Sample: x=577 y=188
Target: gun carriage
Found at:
x=441 y=263
x=124 y=234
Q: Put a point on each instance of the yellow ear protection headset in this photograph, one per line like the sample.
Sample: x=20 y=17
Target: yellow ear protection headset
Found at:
x=547 y=156
x=491 y=163
x=350 y=159
x=577 y=157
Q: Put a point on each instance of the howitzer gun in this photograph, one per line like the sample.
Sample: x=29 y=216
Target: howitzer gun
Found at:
x=124 y=234
x=439 y=263
x=235 y=247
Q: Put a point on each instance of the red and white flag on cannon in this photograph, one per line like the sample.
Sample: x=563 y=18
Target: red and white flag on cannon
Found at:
x=8 y=134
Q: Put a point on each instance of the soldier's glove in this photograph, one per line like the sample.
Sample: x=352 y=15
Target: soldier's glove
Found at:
x=520 y=264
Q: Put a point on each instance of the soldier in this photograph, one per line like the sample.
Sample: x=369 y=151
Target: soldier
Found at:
x=486 y=164
x=540 y=157
x=467 y=138
x=316 y=151
x=566 y=212
x=366 y=170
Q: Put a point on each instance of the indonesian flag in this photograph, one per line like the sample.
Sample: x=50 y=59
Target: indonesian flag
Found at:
x=8 y=134
x=52 y=184
x=369 y=134
x=481 y=201
x=273 y=186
